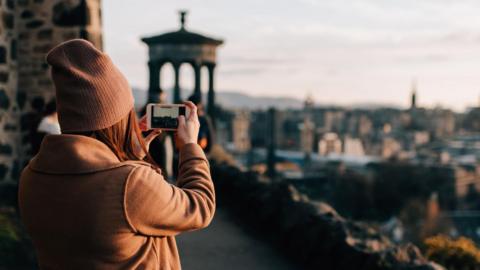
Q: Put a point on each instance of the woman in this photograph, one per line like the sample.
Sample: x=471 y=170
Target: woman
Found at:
x=88 y=200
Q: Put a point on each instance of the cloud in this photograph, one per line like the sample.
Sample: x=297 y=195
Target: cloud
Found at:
x=242 y=71
x=346 y=50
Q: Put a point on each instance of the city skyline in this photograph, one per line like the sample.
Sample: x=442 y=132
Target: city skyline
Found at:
x=342 y=52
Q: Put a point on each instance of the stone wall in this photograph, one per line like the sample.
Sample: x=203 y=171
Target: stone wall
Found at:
x=30 y=28
x=311 y=233
x=9 y=111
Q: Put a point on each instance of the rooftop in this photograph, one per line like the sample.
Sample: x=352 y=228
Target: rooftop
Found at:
x=182 y=36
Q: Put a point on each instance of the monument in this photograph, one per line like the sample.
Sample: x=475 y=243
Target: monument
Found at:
x=179 y=47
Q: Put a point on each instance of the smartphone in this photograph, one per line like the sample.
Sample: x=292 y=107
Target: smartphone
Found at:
x=164 y=116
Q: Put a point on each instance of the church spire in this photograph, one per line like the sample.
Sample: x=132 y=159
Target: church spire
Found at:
x=413 y=104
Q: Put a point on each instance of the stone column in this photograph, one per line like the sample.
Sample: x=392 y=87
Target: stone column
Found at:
x=197 y=68
x=177 y=98
x=10 y=101
x=211 y=108
x=154 y=68
x=42 y=25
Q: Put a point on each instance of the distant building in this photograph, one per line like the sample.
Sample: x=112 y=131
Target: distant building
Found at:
x=333 y=120
x=307 y=130
x=421 y=138
x=241 y=131
x=442 y=123
x=390 y=148
x=365 y=126
x=467 y=181
x=330 y=144
x=353 y=147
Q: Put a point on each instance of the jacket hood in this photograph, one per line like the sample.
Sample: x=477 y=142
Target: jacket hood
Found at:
x=73 y=154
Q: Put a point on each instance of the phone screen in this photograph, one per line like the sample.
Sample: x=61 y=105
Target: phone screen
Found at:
x=166 y=117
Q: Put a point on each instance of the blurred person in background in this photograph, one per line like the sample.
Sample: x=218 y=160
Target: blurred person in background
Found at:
x=206 y=133
x=93 y=198
x=33 y=120
x=48 y=125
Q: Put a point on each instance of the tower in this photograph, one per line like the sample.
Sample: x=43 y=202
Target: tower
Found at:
x=30 y=29
x=413 y=104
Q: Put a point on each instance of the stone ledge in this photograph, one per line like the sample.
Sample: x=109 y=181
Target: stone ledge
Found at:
x=311 y=233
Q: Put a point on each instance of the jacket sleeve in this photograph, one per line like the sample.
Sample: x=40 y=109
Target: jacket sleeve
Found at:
x=154 y=207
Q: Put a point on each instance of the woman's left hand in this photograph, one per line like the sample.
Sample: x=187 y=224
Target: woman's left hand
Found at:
x=142 y=123
x=149 y=138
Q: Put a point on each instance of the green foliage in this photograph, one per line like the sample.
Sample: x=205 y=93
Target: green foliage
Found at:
x=15 y=251
x=9 y=242
x=396 y=184
x=460 y=254
x=385 y=191
x=352 y=196
x=7 y=231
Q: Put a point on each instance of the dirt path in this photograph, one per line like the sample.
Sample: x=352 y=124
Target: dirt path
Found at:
x=224 y=245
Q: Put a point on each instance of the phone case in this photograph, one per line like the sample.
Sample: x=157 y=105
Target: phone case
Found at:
x=149 y=114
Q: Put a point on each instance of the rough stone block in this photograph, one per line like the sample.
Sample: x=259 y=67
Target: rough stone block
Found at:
x=44 y=82
x=4 y=100
x=10 y=127
x=11 y=4
x=34 y=24
x=45 y=34
x=3 y=171
x=21 y=99
x=42 y=49
x=65 y=14
x=8 y=20
x=3 y=55
x=69 y=35
x=6 y=149
x=25 y=121
x=4 y=76
x=13 y=49
x=24 y=35
x=16 y=169
x=26 y=14
x=23 y=2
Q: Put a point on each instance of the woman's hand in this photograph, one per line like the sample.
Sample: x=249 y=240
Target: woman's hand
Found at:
x=151 y=136
x=148 y=139
x=188 y=129
x=143 y=123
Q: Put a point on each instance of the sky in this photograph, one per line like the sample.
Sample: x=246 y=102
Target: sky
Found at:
x=338 y=51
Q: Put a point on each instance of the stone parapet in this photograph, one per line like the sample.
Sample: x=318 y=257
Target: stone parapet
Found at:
x=310 y=233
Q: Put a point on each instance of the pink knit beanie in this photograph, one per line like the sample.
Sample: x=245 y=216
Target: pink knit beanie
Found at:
x=91 y=92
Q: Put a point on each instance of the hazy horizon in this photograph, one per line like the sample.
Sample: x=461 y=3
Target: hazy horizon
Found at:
x=342 y=52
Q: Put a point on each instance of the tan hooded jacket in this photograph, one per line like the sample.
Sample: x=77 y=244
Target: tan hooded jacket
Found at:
x=84 y=209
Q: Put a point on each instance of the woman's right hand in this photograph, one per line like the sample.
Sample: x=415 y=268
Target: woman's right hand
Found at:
x=188 y=129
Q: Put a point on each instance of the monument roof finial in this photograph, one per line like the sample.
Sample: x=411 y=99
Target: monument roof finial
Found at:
x=183 y=14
